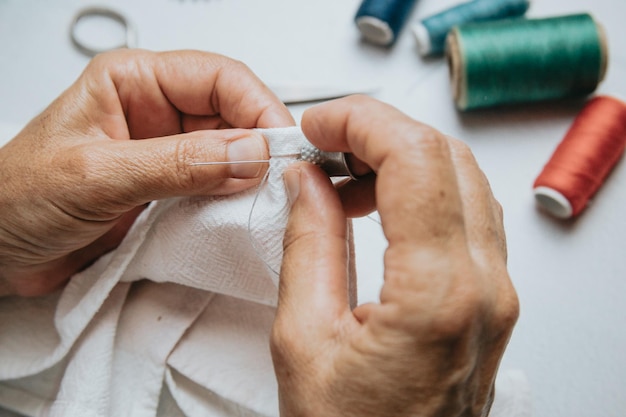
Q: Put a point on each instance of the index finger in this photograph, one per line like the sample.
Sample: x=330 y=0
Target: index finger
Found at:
x=416 y=187
x=159 y=92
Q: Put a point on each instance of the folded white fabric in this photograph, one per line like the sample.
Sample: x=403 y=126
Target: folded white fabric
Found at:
x=174 y=322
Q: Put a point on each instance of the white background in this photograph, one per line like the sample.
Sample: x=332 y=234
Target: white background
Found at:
x=570 y=275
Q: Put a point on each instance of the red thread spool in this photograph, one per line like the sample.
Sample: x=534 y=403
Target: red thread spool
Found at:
x=581 y=162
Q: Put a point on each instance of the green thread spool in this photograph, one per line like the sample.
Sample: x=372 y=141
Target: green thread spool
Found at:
x=525 y=60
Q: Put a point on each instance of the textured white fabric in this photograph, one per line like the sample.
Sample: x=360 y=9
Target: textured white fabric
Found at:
x=174 y=322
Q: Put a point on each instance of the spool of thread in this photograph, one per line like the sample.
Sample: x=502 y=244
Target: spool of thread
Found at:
x=581 y=162
x=431 y=32
x=525 y=60
x=380 y=21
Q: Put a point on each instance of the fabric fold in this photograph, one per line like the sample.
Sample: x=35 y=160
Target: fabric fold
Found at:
x=174 y=322
x=56 y=348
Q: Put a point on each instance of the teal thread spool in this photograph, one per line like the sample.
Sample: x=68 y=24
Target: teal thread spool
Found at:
x=430 y=33
x=525 y=60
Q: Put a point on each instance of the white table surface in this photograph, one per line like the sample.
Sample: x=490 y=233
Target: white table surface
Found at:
x=570 y=275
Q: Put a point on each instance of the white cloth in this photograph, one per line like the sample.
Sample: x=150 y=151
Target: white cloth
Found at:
x=174 y=322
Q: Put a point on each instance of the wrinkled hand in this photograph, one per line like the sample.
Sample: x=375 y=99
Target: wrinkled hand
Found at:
x=72 y=182
x=433 y=344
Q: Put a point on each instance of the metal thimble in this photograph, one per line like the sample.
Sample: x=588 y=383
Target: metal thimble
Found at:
x=333 y=163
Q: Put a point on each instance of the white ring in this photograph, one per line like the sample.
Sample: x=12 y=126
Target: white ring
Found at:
x=424 y=45
x=554 y=202
x=375 y=30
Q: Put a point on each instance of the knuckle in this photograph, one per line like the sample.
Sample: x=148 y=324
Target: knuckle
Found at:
x=508 y=310
x=499 y=211
x=235 y=66
x=239 y=65
x=430 y=138
x=115 y=58
x=283 y=344
x=460 y=148
x=182 y=172
x=81 y=165
x=465 y=307
x=117 y=66
x=425 y=142
x=182 y=163
x=277 y=338
x=413 y=142
x=441 y=294
x=462 y=154
x=361 y=104
x=461 y=316
x=446 y=316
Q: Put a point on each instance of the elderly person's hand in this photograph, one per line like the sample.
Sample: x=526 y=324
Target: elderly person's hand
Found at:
x=72 y=182
x=433 y=344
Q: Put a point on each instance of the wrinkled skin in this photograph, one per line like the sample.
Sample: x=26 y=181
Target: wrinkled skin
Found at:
x=76 y=177
x=433 y=344
x=126 y=133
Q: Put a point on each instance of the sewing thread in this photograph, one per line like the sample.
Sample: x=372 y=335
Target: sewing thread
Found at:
x=525 y=60
x=430 y=33
x=380 y=21
x=333 y=163
x=581 y=162
x=257 y=249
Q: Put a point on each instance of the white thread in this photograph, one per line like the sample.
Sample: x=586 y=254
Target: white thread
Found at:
x=369 y=216
x=304 y=152
x=255 y=247
x=264 y=181
x=309 y=156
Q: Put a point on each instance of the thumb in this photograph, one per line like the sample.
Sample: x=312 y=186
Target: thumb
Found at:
x=313 y=288
x=138 y=171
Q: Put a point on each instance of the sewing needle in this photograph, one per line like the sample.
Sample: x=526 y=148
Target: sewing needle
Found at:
x=251 y=161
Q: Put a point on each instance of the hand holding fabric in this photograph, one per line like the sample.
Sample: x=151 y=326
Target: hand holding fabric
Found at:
x=73 y=181
x=433 y=344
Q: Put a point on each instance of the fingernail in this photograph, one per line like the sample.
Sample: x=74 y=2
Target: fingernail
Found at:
x=291 y=177
x=246 y=149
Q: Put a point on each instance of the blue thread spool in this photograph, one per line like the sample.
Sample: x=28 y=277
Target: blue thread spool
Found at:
x=431 y=32
x=380 y=21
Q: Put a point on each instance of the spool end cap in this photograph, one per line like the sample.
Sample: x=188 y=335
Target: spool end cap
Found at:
x=553 y=202
x=375 y=30
x=424 y=45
